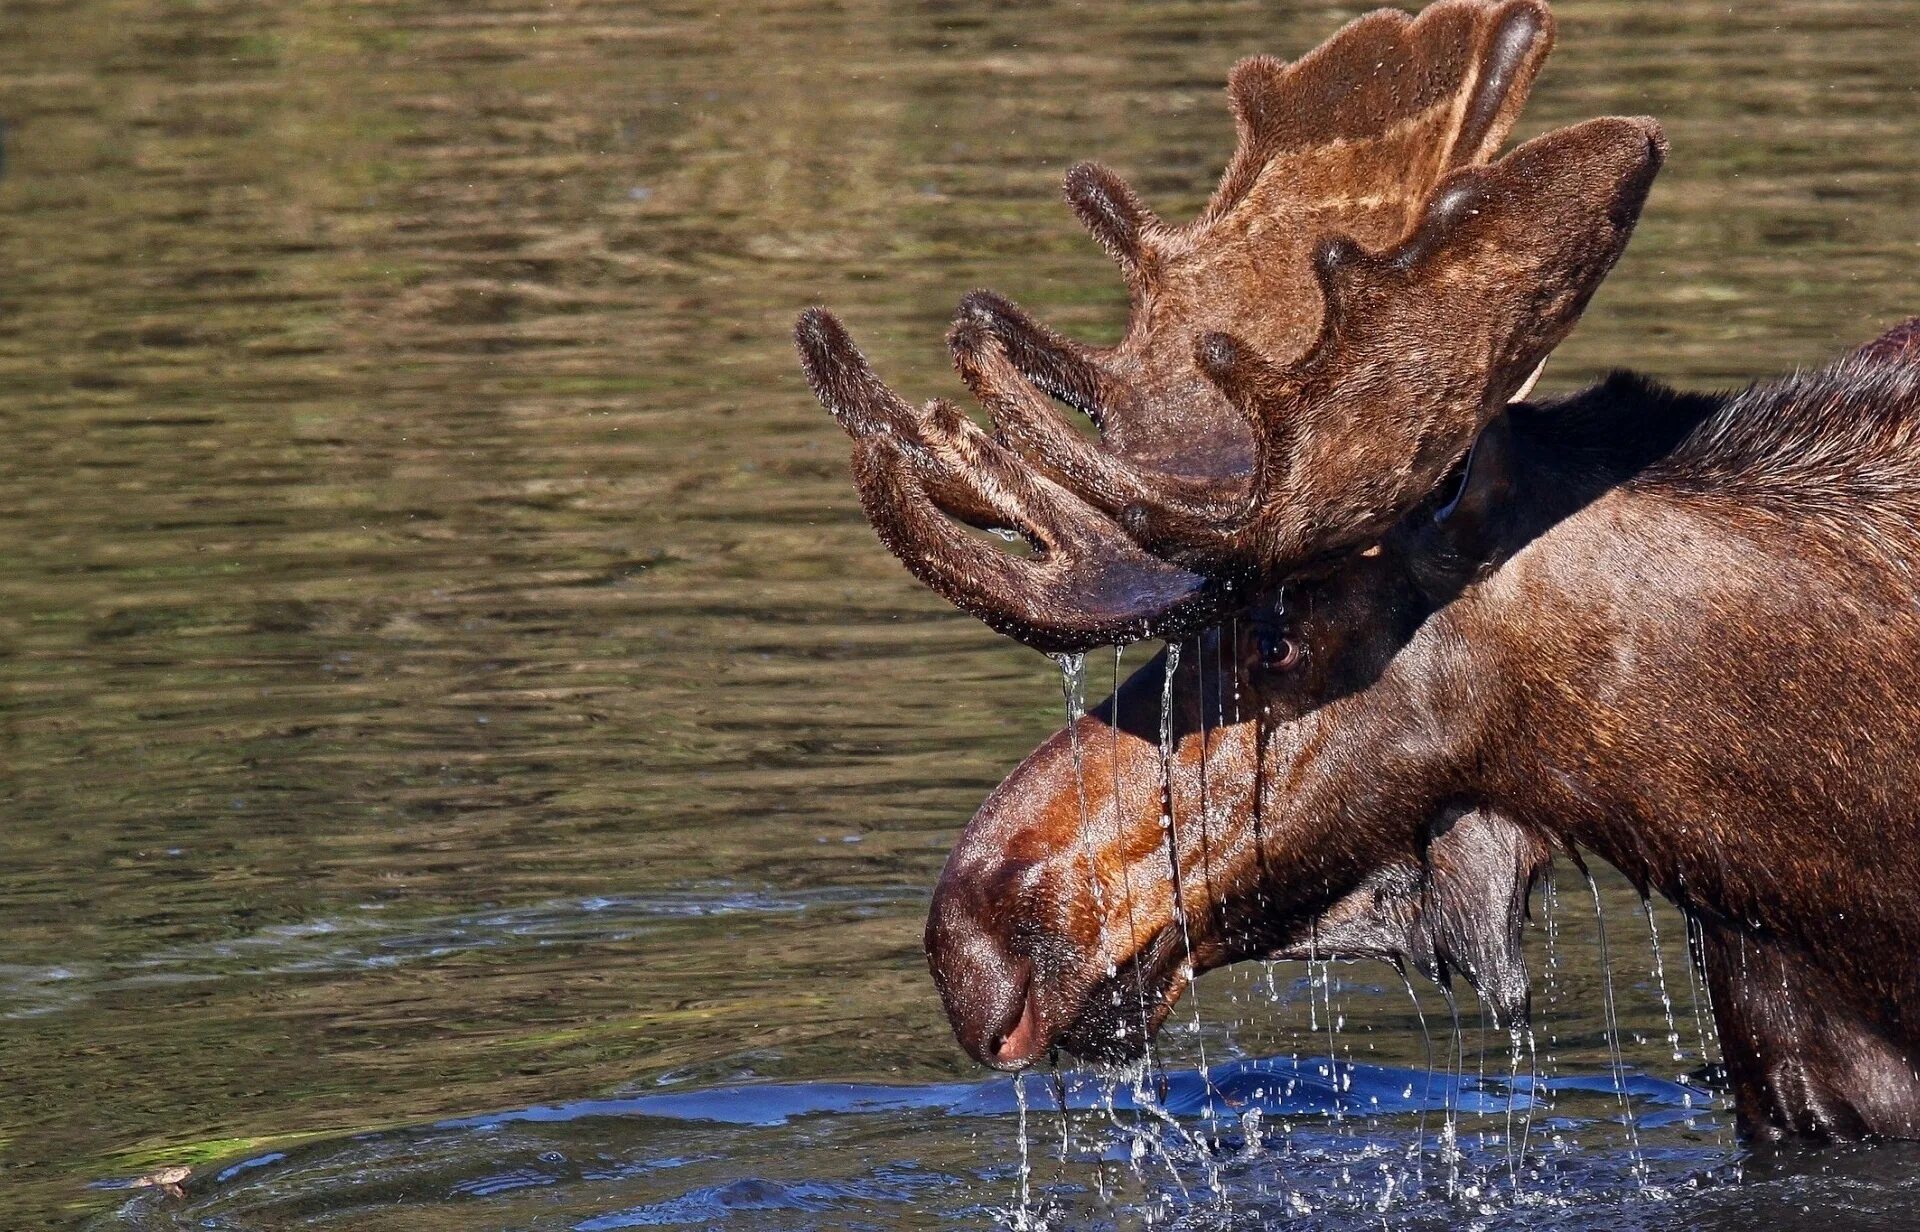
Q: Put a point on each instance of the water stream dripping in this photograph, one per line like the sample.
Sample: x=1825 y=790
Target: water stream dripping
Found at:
x=1480 y=1063
x=1418 y=1151
x=1706 y=1025
x=1023 y=1218
x=1515 y=1150
x=1170 y=826
x=1073 y=690
x=1215 y=897
x=1660 y=980
x=1615 y=1064
x=1535 y=1094
x=1456 y=1069
x=1126 y=877
x=1550 y=913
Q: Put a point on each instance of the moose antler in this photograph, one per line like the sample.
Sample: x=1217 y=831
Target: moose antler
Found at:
x=1349 y=140
x=1086 y=583
x=1303 y=362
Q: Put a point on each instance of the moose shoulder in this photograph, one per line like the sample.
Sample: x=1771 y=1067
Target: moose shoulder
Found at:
x=1421 y=635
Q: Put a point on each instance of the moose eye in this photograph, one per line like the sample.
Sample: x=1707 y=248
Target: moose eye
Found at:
x=1280 y=653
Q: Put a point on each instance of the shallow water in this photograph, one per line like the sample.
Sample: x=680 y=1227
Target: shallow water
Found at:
x=447 y=673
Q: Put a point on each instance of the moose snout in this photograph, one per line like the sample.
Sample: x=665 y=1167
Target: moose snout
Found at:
x=985 y=984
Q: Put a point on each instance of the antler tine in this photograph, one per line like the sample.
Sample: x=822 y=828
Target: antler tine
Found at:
x=1024 y=419
x=1057 y=365
x=1156 y=509
x=1117 y=219
x=843 y=380
x=1085 y=583
x=1258 y=388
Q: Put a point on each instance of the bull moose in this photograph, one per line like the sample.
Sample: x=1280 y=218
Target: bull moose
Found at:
x=1422 y=632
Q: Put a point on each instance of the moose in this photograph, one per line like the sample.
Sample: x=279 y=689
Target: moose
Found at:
x=1422 y=633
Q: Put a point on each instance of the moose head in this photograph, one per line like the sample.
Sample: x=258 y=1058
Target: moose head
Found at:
x=1277 y=488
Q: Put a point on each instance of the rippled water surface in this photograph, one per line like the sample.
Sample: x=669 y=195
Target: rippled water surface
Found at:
x=468 y=764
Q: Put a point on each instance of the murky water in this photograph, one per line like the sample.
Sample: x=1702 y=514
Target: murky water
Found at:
x=467 y=763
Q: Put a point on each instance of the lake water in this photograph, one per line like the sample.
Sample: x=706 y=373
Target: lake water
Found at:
x=467 y=763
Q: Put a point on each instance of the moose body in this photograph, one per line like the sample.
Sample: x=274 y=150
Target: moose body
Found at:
x=1423 y=636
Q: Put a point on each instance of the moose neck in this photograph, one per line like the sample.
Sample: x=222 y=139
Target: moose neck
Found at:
x=1691 y=743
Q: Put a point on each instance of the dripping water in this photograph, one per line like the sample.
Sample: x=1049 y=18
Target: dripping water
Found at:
x=1535 y=1089
x=1145 y=1069
x=1706 y=1025
x=1520 y=1034
x=1480 y=1061
x=1615 y=1063
x=1515 y=1151
x=1024 y=1218
x=1074 y=693
x=1660 y=981
x=1456 y=1069
x=1550 y=911
x=1214 y=898
x=1073 y=690
x=1426 y=1096
x=1169 y=825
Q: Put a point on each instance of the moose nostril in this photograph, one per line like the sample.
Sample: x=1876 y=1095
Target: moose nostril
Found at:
x=1016 y=1045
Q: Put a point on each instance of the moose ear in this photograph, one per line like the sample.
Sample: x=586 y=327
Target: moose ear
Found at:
x=1469 y=507
x=1457 y=533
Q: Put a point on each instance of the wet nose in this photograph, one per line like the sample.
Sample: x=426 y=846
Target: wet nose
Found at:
x=985 y=986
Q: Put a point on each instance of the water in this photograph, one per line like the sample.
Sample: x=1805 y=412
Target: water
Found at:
x=446 y=671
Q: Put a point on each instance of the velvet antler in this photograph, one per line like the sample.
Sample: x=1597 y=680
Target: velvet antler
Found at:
x=1351 y=139
x=1421 y=345
x=1302 y=362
